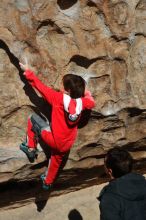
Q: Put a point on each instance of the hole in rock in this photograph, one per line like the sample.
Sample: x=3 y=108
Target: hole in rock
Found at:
x=134 y=111
x=52 y=26
x=82 y=61
x=66 y=4
x=91 y=4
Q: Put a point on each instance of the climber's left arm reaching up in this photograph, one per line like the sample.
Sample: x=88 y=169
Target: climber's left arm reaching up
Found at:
x=47 y=92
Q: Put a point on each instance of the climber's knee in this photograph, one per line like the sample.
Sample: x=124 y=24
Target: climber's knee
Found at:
x=38 y=124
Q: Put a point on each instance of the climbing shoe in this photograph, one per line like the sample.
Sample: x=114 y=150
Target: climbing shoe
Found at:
x=45 y=186
x=31 y=154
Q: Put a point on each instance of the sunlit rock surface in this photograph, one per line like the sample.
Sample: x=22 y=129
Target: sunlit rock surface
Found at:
x=103 y=41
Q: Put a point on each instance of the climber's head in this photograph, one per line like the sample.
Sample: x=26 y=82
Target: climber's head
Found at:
x=74 y=85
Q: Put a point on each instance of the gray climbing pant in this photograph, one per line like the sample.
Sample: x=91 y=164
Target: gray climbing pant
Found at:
x=39 y=124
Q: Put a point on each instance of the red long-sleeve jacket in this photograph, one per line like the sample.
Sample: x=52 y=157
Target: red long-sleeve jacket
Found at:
x=64 y=135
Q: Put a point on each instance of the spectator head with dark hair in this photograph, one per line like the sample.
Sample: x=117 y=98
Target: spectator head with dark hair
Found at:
x=124 y=197
x=118 y=162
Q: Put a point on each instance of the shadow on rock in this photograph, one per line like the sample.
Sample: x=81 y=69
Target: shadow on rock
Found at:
x=85 y=116
x=41 y=199
x=74 y=215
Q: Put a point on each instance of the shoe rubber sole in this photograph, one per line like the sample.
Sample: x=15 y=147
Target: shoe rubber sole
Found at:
x=45 y=186
x=31 y=155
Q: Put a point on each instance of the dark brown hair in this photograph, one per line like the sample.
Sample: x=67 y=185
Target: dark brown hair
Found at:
x=119 y=161
x=74 y=84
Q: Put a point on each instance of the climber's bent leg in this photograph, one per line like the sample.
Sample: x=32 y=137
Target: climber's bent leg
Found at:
x=48 y=138
x=39 y=124
x=34 y=126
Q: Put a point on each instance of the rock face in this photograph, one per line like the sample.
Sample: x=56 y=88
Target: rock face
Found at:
x=103 y=40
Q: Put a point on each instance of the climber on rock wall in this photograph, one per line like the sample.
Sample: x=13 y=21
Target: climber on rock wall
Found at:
x=60 y=133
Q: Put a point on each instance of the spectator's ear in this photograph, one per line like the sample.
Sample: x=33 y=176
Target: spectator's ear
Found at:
x=108 y=170
x=110 y=173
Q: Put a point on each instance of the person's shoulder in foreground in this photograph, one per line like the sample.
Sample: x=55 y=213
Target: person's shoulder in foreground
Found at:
x=124 y=198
